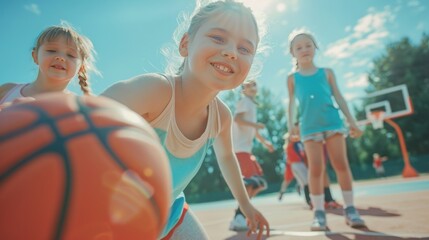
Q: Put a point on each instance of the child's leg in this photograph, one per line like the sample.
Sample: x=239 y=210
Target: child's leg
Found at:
x=190 y=228
x=326 y=181
x=300 y=172
x=251 y=189
x=327 y=189
x=316 y=167
x=283 y=186
x=336 y=146
x=287 y=179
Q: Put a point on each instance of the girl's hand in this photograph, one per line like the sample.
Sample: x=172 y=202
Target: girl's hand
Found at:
x=294 y=134
x=355 y=131
x=255 y=221
x=269 y=146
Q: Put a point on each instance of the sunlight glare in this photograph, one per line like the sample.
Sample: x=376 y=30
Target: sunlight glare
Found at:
x=281 y=7
x=258 y=5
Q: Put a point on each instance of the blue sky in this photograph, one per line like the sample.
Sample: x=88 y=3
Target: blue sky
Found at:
x=128 y=35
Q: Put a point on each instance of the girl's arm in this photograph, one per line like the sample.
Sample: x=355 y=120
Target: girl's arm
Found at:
x=354 y=129
x=239 y=119
x=146 y=94
x=294 y=135
x=229 y=167
x=267 y=144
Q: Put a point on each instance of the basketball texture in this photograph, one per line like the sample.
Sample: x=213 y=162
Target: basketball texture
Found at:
x=80 y=168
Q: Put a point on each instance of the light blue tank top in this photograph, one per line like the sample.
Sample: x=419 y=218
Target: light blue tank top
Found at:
x=185 y=155
x=317 y=110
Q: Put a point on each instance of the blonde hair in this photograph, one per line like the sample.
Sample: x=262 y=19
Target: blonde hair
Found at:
x=293 y=35
x=84 y=47
x=249 y=81
x=204 y=9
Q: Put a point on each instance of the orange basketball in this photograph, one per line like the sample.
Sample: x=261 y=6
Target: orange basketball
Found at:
x=80 y=168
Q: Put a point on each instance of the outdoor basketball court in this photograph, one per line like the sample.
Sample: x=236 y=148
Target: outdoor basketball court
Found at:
x=393 y=208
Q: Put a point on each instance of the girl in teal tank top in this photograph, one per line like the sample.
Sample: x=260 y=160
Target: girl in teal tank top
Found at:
x=320 y=123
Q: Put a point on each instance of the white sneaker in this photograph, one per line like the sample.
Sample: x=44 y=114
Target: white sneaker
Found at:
x=238 y=223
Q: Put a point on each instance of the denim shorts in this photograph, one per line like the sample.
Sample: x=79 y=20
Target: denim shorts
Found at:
x=322 y=136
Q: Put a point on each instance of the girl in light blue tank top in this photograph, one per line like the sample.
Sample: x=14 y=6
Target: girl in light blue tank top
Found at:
x=320 y=124
x=218 y=49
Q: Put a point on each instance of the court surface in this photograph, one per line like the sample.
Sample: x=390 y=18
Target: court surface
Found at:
x=393 y=208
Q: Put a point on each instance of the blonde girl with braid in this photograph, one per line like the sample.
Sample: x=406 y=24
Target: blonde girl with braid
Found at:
x=61 y=54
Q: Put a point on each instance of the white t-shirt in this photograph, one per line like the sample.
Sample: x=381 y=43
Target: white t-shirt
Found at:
x=243 y=135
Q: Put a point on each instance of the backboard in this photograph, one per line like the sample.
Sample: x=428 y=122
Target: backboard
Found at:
x=394 y=102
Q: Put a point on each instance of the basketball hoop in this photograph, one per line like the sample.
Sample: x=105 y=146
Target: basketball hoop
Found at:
x=377 y=119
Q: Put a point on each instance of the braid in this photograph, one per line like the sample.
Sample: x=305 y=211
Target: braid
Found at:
x=84 y=86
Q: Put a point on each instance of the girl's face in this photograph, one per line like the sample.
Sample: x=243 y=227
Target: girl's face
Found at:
x=222 y=50
x=58 y=60
x=303 y=49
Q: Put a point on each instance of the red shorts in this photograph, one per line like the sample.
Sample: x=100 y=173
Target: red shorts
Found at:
x=248 y=165
x=288 y=176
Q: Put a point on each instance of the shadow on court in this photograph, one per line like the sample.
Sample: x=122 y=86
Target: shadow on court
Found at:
x=370 y=211
x=393 y=209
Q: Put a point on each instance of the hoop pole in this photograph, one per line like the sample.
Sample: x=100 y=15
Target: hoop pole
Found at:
x=408 y=171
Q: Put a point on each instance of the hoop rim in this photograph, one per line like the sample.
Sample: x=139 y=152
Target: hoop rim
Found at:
x=376 y=118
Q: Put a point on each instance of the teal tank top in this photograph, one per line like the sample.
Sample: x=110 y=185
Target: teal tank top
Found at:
x=316 y=106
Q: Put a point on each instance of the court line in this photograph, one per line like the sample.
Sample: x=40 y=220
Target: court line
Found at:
x=274 y=232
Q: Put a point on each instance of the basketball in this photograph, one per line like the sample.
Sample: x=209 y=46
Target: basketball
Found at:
x=80 y=168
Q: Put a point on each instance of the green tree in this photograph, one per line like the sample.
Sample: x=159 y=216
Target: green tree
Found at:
x=402 y=63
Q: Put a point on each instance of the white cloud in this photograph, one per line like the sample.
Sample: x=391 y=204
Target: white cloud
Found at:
x=360 y=62
x=372 y=22
x=413 y=3
x=373 y=39
x=359 y=81
x=349 y=96
x=349 y=75
x=282 y=72
x=339 y=49
x=368 y=33
x=416 y=4
x=33 y=8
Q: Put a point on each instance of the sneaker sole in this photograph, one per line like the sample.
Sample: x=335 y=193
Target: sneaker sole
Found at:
x=319 y=229
x=355 y=225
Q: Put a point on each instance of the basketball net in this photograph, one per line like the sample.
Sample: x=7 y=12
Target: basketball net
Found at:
x=376 y=119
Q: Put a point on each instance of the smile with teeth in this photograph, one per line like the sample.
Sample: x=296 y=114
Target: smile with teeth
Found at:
x=59 y=67
x=222 y=68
